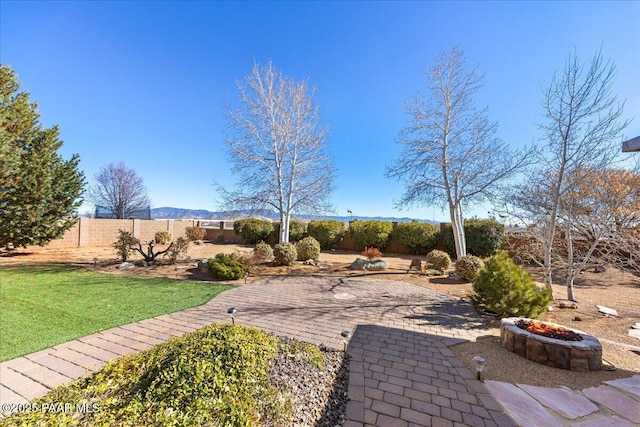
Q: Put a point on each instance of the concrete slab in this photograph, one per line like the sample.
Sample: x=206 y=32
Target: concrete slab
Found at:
x=615 y=401
x=566 y=402
x=522 y=408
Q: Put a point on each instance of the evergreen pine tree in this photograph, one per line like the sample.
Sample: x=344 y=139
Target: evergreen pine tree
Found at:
x=39 y=190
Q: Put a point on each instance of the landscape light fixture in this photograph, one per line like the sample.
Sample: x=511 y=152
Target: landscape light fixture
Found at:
x=245 y=277
x=176 y=272
x=480 y=363
x=345 y=335
x=232 y=312
x=95 y=262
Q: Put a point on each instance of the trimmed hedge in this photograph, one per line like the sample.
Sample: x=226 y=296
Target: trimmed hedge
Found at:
x=195 y=233
x=253 y=230
x=438 y=260
x=308 y=248
x=468 y=267
x=263 y=252
x=227 y=267
x=285 y=253
x=327 y=232
x=296 y=231
x=483 y=237
x=420 y=237
x=367 y=234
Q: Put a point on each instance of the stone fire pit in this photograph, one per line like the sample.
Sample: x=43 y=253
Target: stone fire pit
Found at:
x=584 y=355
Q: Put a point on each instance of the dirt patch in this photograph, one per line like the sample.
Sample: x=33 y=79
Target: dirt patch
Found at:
x=612 y=288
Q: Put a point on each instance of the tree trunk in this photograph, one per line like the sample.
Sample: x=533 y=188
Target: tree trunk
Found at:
x=457 y=225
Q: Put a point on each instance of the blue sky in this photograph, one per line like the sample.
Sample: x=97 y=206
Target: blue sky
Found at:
x=144 y=82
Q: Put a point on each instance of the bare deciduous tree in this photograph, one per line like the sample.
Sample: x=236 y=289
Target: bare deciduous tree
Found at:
x=581 y=131
x=451 y=154
x=120 y=190
x=277 y=147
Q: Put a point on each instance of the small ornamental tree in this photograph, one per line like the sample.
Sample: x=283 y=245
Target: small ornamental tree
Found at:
x=253 y=230
x=327 y=232
x=506 y=289
x=419 y=237
x=366 y=234
x=124 y=244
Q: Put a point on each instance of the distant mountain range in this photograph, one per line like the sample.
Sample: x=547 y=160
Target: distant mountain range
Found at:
x=179 y=213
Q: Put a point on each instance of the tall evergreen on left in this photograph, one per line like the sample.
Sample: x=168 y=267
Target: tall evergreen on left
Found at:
x=40 y=192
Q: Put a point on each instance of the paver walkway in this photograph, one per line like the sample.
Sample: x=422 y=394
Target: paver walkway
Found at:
x=401 y=371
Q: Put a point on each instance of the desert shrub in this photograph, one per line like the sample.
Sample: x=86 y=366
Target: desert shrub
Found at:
x=308 y=248
x=420 y=237
x=163 y=237
x=285 y=253
x=468 y=266
x=195 y=233
x=482 y=236
x=177 y=250
x=296 y=231
x=253 y=230
x=262 y=253
x=215 y=376
x=506 y=289
x=123 y=244
x=227 y=267
x=438 y=260
x=366 y=234
x=328 y=232
x=371 y=253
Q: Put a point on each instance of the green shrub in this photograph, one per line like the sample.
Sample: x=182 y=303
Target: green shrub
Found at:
x=367 y=234
x=438 y=260
x=482 y=236
x=506 y=289
x=308 y=248
x=328 y=232
x=195 y=233
x=163 y=237
x=296 y=231
x=178 y=249
x=215 y=376
x=420 y=237
x=123 y=244
x=262 y=252
x=253 y=230
x=227 y=267
x=285 y=253
x=468 y=266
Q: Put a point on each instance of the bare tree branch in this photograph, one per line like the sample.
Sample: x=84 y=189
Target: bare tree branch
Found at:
x=120 y=190
x=451 y=154
x=278 y=148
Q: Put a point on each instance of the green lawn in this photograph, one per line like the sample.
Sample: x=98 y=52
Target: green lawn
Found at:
x=45 y=305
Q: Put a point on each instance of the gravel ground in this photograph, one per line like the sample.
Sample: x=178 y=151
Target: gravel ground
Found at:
x=319 y=397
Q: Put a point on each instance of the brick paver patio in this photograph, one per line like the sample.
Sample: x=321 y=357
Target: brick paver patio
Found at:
x=401 y=371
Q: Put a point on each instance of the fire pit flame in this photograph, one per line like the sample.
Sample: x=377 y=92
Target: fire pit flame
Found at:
x=548 y=330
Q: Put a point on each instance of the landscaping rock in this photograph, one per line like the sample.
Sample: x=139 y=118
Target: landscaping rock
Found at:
x=125 y=266
x=416 y=265
x=377 y=265
x=359 y=264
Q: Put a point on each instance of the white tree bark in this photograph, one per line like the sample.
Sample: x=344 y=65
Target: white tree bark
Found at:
x=277 y=148
x=451 y=155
